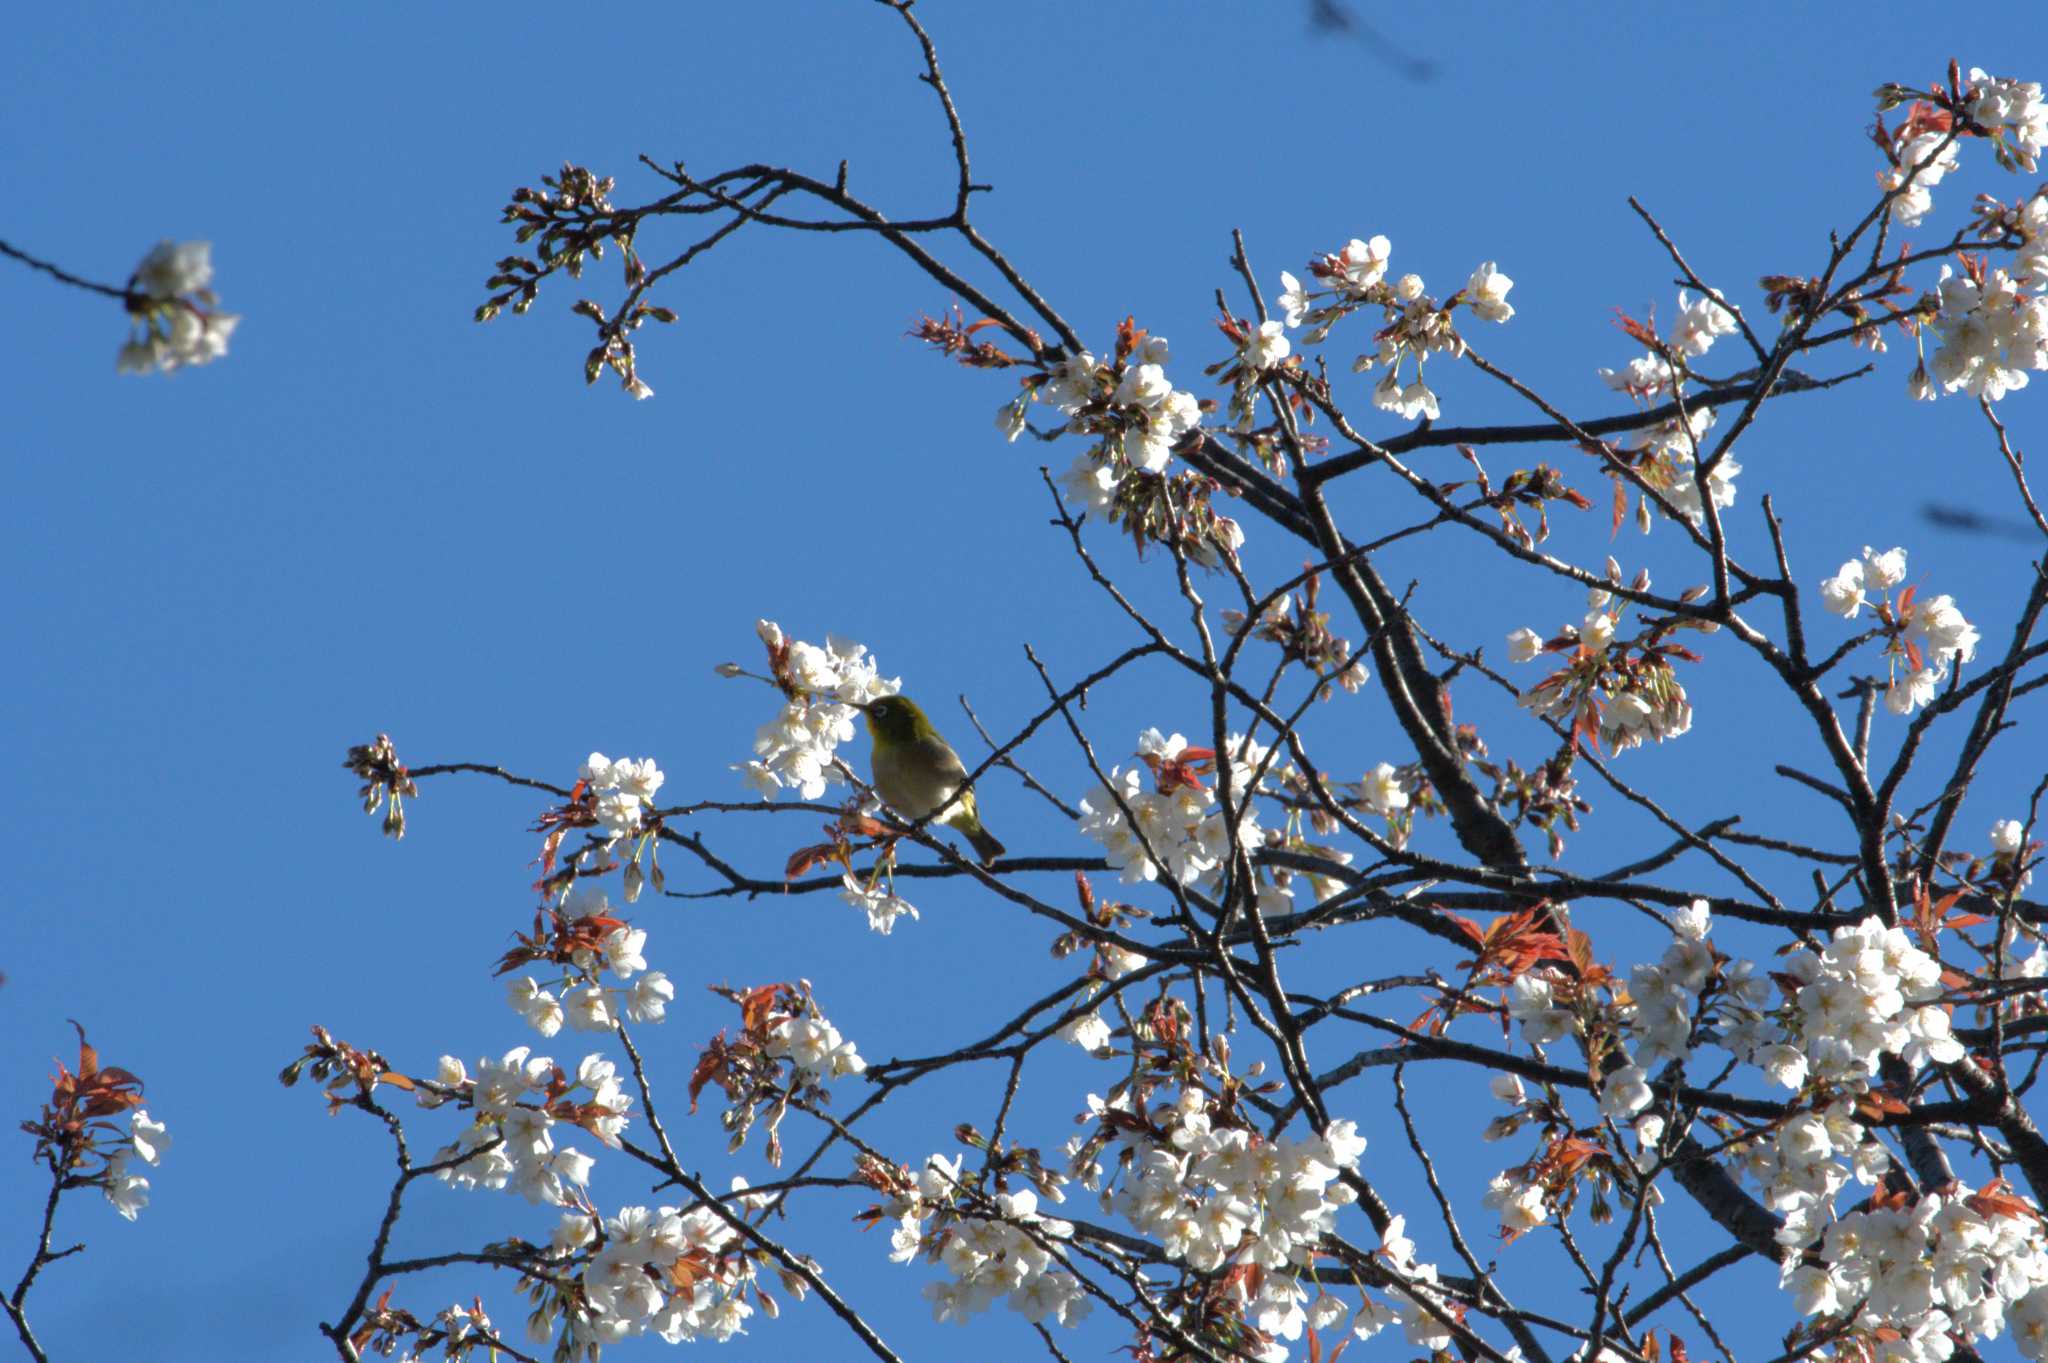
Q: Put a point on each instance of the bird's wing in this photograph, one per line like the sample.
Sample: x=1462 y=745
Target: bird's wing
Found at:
x=944 y=759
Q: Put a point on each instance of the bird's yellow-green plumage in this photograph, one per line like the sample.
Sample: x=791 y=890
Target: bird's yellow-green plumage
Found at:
x=920 y=775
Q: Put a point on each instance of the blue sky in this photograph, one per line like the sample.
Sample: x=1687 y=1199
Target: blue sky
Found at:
x=375 y=515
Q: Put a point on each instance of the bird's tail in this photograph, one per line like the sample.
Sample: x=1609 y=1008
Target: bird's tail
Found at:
x=985 y=845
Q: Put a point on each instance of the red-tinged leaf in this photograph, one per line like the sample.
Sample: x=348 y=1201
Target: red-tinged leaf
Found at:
x=756 y=1005
x=1571 y=1153
x=397 y=1081
x=1466 y=926
x=1946 y=902
x=1579 y=951
x=1678 y=1352
x=1086 y=892
x=1620 y=507
x=1996 y=1198
x=1913 y=656
x=1343 y=1343
x=804 y=858
x=707 y=1068
x=1635 y=330
x=1906 y=606
x=1315 y=1348
x=1966 y=920
x=88 y=1058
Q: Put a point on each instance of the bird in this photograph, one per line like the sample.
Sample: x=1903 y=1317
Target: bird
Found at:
x=918 y=773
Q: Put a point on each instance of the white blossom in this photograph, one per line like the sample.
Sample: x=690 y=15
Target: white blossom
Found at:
x=541 y=1009
x=146 y=1137
x=1842 y=594
x=1625 y=1092
x=126 y=1190
x=1383 y=791
x=1293 y=299
x=171 y=269
x=1487 y=292
x=1267 y=345
x=650 y=997
x=1524 y=645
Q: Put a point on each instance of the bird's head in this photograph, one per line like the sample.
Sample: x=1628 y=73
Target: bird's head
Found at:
x=896 y=719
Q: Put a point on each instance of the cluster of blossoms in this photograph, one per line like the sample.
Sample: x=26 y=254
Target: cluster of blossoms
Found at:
x=1621 y=693
x=460 y=1332
x=1921 y=637
x=1385 y=791
x=1898 y=1279
x=1906 y=1280
x=2013 y=112
x=511 y=1142
x=126 y=1189
x=1260 y=348
x=2009 y=112
x=1217 y=1197
x=664 y=1271
x=1666 y=1004
x=821 y=688
x=1135 y=417
x=994 y=1244
x=1667 y=457
x=1991 y=331
x=1216 y=1193
x=1870 y=993
x=621 y=791
x=785 y=1052
x=1416 y=325
x=1699 y=323
x=814 y=1046
x=176 y=320
x=1177 y=826
x=1923 y=153
x=1303 y=634
x=585 y=940
x=1913 y=1277
x=1666 y=994
x=1129 y=401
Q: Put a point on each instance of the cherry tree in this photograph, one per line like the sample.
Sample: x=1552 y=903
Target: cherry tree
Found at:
x=1810 y=1048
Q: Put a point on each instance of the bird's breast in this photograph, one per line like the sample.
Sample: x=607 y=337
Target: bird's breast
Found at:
x=914 y=779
